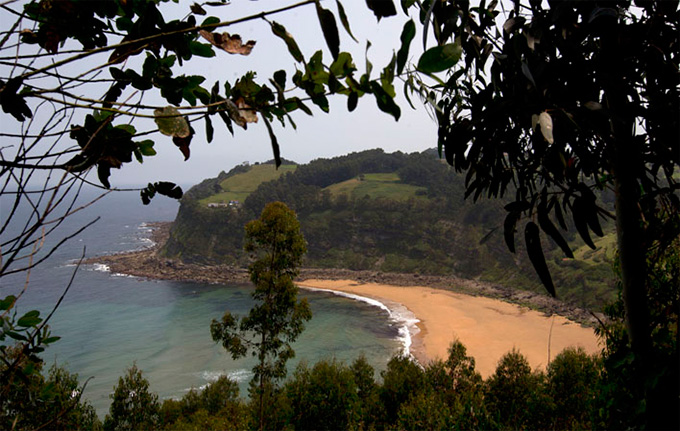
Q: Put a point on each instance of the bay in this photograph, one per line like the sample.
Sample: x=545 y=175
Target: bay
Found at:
x=109 y=321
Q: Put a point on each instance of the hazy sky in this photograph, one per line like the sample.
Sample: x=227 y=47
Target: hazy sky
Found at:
x=320 y=136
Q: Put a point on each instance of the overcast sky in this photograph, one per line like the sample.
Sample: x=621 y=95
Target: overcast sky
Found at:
x=320 y=136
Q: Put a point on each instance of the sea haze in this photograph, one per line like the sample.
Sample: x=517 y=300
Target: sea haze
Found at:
x=109 y=321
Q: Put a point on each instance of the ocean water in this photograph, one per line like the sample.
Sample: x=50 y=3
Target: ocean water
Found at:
x=110 y=321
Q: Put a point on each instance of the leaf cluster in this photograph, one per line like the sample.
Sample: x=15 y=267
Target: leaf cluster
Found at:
x=530 y=112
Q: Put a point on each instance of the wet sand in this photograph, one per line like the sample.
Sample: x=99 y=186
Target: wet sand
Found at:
x=489 y=328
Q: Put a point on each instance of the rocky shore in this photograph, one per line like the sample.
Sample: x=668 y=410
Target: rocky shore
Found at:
x=148 y=264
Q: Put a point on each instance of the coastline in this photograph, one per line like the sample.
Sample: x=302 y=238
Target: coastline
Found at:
x=489 y=319
x=489 y=328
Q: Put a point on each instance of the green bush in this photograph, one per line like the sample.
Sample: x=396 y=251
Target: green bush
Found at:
x=325 y=397
x=34 y=401
x=516 y=396
x=133 y=407
x=573 y=384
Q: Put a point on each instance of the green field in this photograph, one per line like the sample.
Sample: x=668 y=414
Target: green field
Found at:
x=605 y=251
x=386 y=186
x=239 y=186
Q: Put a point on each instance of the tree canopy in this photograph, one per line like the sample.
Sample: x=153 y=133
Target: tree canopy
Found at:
x=556 y=100
x=277 y=247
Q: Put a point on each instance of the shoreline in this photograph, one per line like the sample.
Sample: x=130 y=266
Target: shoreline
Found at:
x=489 y=328
x=409 y=324
x=478 y=303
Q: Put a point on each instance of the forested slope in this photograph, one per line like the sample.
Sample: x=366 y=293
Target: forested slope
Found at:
x=384 y=212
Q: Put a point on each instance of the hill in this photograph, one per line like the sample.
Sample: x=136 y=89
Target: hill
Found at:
x=238 y=187
x=380 y=212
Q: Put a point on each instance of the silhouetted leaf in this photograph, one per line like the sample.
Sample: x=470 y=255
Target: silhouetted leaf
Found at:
x=387 y=77
x=426 y=22
x=579 y=211
x=385 y=101
x=197 y=9
x=590 y=206
x=344 y=20
x=549 y=228
x=440 y=58
x=169 y=189
x=275 y=142
x=227 y=121
x=164 y=188
x=535 y=252
x=407 y=35
x=304 y=108
x=352 y=101
x=147 y=193
x=381 y=8
x=103 y=173
x=329 y=29
x=184 y=142
x=12 y=102
x=209 y=130
x=293 y=47
x=560 y=216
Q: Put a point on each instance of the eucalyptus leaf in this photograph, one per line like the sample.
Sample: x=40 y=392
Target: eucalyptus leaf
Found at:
x=209 y=129
x=329 y=29
x=275 y=143
x=407 y=35
x=440 y=58
x=385 y=101
x=344 y=20
x=535 y=252
x=293 y=48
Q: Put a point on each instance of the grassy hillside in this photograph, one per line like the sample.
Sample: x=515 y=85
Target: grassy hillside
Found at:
x=382 y=185
x=605 y=251
x=238 y=187
x=384 y=212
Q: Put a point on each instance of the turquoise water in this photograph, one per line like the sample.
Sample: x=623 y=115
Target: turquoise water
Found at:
x=108 y=321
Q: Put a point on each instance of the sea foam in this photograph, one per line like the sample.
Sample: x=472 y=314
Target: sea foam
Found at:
x=398 y=314
x=238 y=376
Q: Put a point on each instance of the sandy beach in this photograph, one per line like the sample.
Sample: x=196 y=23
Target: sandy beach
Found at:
x=488 y=327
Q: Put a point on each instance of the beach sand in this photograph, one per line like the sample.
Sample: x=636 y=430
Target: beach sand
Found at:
x=489 y=328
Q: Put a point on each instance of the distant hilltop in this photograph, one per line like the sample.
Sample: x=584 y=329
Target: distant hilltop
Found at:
x=379 y=212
